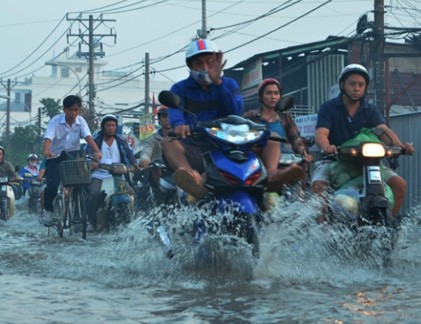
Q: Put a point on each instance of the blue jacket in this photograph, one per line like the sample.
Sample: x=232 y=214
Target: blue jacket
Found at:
x=203 y=105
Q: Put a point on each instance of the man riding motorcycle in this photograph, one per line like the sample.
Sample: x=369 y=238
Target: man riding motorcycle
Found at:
x=341 y=118
x=31 y=168
x=206 y=95
x=114 y=149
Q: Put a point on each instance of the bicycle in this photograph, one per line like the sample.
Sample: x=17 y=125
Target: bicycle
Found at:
x=70 y=202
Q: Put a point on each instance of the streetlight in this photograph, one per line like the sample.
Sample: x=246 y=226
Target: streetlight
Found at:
x=71 y=69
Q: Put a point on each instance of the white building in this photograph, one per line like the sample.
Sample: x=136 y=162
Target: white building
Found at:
x=114 y=91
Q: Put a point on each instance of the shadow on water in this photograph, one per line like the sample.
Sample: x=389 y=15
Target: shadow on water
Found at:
x=294 y=249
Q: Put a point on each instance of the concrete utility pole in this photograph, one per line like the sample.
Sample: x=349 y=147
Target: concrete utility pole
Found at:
x=378 y=57
x=147 y=101
x=92 y=44
x=203 y=33
x=91 y=66
x=8 y=88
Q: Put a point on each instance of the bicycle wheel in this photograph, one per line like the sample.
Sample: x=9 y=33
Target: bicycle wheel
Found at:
x=58 y=215
x=78 y=212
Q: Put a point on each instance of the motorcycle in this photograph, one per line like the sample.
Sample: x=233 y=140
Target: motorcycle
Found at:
x=118 y=201
x=153 y=193
x=7 y=199
x=362 y=200
x=235 y=178
x=34 y=191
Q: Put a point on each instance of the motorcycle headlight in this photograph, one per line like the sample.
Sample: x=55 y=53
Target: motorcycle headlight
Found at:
x=236 y=134
x=373 y=150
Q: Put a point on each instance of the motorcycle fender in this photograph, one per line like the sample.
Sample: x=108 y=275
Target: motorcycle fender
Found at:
x=108 y=186
x=121 y=198
x=11 y=195
x=243 y=200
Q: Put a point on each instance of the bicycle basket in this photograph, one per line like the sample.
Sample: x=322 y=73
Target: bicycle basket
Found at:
x=75 y=172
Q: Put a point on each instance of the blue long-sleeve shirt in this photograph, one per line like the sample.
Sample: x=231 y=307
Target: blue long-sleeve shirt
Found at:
x=205 y=104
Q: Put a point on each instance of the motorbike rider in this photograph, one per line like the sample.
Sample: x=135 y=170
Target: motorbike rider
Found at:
x=114 y=149
x=152 y=149
x=206 y=95
x=270 y=93
x=63 y=135
x=31 y=168
x=8 y=170
x=341 y=118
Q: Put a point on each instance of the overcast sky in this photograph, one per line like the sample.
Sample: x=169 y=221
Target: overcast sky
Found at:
x=32 y=32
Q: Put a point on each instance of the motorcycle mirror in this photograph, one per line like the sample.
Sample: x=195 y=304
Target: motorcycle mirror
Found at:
x=286 y=103
x=169 y=98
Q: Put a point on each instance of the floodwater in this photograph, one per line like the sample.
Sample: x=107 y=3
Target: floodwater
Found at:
x=306 y=273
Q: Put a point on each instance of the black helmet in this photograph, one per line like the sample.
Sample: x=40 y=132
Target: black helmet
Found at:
x=108 y=118
x=162 y=111
x=2 y=149
x=354 y=69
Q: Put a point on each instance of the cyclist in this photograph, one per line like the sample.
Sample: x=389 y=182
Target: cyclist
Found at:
x=63 y=136
x=114 y=149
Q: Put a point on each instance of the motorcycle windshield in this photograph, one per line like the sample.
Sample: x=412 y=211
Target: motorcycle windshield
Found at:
x=235 y=134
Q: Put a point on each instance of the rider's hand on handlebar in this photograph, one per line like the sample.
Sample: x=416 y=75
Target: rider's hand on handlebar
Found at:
x=98 y=155
x=329 y=149
x=144 y=164
x=307 y=156
x=409 y=149
x=182 y=131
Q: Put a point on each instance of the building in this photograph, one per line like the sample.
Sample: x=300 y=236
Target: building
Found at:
x=115 y=92
x=310 y=72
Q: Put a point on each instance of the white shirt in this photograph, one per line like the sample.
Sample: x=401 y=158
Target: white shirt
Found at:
x=66 y=138
x=110 y=154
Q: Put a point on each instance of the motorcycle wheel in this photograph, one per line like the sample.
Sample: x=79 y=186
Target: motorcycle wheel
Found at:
x=245 y=226
x=4 y=215
x=119 y=215
x=383 y=218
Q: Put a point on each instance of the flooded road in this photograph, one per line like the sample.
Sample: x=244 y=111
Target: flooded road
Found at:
x=305 y=273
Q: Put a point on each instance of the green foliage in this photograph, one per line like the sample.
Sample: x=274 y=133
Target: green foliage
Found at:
x=22 y=142
x=50 y=107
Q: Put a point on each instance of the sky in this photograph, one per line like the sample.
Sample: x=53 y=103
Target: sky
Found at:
x=33 y=32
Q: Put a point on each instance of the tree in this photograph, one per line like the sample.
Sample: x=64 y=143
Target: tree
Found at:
x=22 y=142
x=50 y=107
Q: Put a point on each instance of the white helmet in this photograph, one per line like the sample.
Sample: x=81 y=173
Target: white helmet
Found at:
x=354 y=68
x=200 y=46
x=32 y=156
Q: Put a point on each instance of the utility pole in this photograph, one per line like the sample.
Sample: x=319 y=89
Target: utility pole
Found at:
x=203 y=33
x=39 y=129
x=378 y=57
x=93 y=41
x=8 y=88
x=91 y=67
x=147 y=102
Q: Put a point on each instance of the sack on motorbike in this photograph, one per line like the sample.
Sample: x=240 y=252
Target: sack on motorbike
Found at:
x=345 y=173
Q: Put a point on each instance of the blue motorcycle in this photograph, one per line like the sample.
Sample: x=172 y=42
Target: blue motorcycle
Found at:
x=236 y=178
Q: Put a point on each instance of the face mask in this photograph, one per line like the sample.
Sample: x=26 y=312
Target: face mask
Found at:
x=33 y=164
x=201 y=76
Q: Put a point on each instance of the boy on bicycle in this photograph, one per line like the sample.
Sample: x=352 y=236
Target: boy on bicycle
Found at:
x=62 y=136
